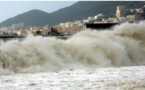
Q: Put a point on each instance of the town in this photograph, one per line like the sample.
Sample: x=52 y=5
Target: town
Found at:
x=122 y=15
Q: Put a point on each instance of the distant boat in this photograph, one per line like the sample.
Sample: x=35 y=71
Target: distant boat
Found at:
x=100 y=25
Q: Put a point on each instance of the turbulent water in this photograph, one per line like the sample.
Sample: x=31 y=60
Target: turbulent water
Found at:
x=124 y=45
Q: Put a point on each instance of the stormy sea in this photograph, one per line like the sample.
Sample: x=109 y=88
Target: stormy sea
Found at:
x=110 y=59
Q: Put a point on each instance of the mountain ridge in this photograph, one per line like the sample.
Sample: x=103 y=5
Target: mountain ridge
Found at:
x=78 y=11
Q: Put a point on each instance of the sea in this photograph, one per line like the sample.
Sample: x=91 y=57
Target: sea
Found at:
x=123 y=45
x=109 y=59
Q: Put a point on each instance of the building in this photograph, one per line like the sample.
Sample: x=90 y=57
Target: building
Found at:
x=95 y=17
x=68 y=24
x=122 y=19
x=114 y=20
x=130 y=18
x=21 y=32
x=121 y=11
x=90 y=18
x=62 y=25
x=17 y=26
x=138 y=17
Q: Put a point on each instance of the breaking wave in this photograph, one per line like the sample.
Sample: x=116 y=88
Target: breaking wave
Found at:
x=124 y=45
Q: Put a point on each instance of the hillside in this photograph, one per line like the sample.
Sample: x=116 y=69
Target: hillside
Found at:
x=77 y=11
x=30 y=18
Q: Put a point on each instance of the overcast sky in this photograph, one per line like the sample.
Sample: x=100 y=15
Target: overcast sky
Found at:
x=10 y=9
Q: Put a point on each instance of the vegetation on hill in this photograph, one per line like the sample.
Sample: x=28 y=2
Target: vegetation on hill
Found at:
x=78 y=11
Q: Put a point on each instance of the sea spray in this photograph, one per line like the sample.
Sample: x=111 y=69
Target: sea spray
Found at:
x=87 y=49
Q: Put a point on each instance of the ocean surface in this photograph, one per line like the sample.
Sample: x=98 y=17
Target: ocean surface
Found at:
x=124 y=78
x=87 y=51
x=121 y=46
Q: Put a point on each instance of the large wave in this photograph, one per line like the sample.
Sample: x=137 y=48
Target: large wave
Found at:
x=121 y=46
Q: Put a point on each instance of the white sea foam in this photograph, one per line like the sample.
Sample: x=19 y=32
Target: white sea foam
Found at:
x=121 y=46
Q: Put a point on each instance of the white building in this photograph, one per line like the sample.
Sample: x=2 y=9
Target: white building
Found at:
x=18 y=25
x=68 y=24
x=95 y=17
x=130 y=18
x=90 y=18
x=122 y=19
x=62 y=25
x=114 y=20
x=100 y=15
x=85 y=21
x=46 y=27
x=22 y=32
x=121 y=11
x=4 y=28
